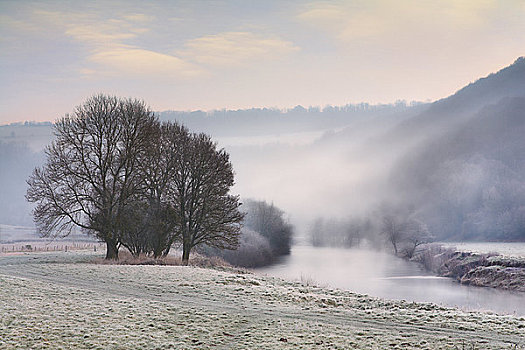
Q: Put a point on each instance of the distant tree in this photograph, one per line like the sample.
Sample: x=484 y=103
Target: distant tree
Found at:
x=204 y=210
x=355 y=230
x=91 y=177
x=317 y=233
x=258 y=248
x=340 y=232
x=416 y=235
x=269 y=221
x=402 y=228
x=394 y=230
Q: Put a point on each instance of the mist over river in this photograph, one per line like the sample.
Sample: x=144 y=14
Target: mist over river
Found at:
x=383 y=275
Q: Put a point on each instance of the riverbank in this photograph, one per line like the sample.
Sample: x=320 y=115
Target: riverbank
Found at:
x=472 y=268
x=54 y=300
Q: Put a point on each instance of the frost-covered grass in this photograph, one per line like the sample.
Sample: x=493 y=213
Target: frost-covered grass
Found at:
x=54 y=301
x=515 y=249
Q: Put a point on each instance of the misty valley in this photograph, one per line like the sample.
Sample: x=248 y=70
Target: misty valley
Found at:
x=263 y=174
x=386 y=201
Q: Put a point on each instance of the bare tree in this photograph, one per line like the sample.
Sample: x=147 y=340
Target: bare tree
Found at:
x=90 y=176
x=417 y=234
x=317 y=233
x=157 y=218
x=115 y=172
x=394 y=229
x=200 y=182
x=134 y=227
x=403 y=229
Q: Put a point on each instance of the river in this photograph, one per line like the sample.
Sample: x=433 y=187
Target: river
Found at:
x=383 y=275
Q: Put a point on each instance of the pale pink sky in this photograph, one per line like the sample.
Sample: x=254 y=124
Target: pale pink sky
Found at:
x=187 y=55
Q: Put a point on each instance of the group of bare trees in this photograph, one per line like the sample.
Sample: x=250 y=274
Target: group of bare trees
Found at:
x=392 y=226
x=346 y=233
x=405 y=234
x=119 y=174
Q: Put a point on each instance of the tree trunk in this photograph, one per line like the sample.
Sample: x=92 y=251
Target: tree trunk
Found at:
x=165 y=252
x=395 y=247
x=111 y=250
x=167 y=248
x=186 y=247
x=157 y=250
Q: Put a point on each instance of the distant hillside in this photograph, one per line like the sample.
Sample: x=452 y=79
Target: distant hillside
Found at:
x=445 y=115
x=465 y=172
x=469 y=183
x=269 y=121
x=236 y=123
x=508 y=82
x=457 y=164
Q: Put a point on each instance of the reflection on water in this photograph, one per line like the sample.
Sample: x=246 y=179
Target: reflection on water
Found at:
x=383 y=275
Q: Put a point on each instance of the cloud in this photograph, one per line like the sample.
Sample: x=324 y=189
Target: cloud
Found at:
x=138 y=17
x=112 y=31
x=112 y=46
x=135 y=61
x=393 y=40
x=393 y=20
x=233 y=48
x=124 y=43
x=99 y=34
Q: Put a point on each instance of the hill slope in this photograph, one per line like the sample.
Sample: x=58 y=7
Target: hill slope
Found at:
x=464 y=171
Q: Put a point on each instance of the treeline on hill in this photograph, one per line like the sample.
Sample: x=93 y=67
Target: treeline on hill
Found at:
x=263 y=121
x=119 y=174
x=266 y=235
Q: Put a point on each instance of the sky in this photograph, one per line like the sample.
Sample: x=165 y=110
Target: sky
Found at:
x=204 y=55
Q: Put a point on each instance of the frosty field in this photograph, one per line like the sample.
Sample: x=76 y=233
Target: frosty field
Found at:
x=63 y=301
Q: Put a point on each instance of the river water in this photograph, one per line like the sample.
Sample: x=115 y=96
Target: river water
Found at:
x=383 y=275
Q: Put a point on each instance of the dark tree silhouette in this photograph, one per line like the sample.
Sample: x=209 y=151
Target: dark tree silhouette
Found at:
x=91 y=174
x=200 y=182
x=152 y=225
x=117 y=173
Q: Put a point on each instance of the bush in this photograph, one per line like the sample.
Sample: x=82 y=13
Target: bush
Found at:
x=266 y=236
x=254 y=251
x=269 y=222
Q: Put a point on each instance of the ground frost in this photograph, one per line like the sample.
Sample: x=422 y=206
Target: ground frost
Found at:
x=63 y=304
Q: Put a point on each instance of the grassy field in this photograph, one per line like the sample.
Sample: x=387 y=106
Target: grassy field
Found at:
x=65 y=301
